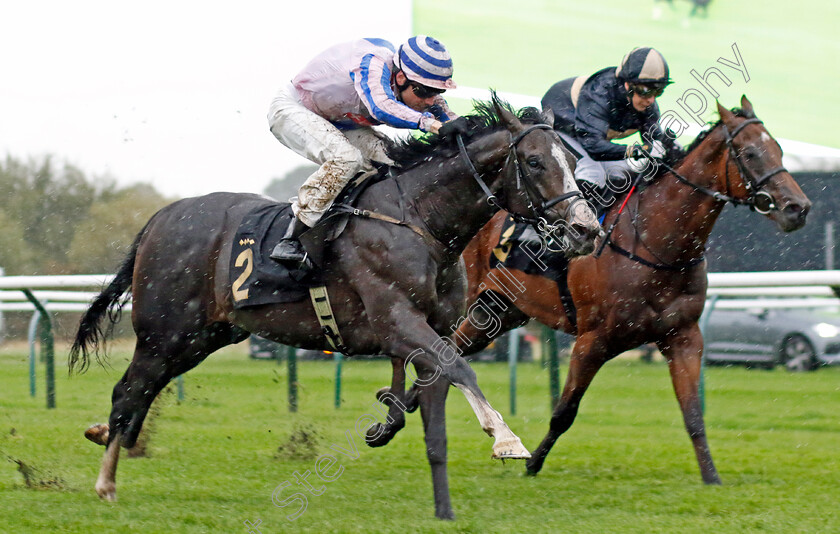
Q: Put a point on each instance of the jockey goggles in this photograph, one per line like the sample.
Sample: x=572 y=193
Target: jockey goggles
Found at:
x=646 y=91
x=424 y=91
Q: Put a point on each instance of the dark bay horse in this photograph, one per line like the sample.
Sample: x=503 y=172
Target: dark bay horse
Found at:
x=396 y=289
x=649 y=284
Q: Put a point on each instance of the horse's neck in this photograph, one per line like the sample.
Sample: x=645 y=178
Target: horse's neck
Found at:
x=446 y=196
x=675 y=220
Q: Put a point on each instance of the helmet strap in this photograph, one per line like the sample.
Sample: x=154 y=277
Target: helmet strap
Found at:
x=403 y=87
x=628 y=92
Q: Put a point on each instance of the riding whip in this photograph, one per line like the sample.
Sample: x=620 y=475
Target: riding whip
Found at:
x=617 y=215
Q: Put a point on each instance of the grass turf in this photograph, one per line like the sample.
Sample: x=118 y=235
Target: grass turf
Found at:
x=625 y=466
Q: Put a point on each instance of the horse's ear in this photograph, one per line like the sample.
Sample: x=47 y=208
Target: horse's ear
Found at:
x=746 y=105
x=725 y=114
x=508 y=118
x=548 y=116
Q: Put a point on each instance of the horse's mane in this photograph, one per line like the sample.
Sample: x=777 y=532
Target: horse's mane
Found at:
x=483 y=121
x=739 y=112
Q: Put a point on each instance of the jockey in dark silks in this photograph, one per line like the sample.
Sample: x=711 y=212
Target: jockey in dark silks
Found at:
x=615 y=102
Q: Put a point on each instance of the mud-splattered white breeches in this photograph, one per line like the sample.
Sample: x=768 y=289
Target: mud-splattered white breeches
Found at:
x=340 y=154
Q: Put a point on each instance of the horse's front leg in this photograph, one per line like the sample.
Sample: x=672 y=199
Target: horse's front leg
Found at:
x=588 y=356
x=394 y=397
x=470 y=339
x=407 y=335
x=433 y=411
x=683 y=351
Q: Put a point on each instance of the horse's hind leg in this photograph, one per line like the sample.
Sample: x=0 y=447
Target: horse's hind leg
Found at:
x=106 y=482
x=158 y=357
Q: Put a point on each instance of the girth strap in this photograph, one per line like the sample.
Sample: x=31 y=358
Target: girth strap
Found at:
x=323 y=310
x=367 y=214
x=660 y=266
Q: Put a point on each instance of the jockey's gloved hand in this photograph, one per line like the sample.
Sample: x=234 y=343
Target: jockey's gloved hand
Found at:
x=656 y=150
x=674 y=154
x=453 y=127
x=635 y=151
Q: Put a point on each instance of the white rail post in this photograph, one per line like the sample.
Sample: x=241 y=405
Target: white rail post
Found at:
x=2 y=324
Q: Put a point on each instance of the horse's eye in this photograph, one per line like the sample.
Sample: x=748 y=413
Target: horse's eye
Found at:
x=752 y=153
x=533 y=163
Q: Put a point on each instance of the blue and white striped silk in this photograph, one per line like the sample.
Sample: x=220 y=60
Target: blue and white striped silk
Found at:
x=349 y=84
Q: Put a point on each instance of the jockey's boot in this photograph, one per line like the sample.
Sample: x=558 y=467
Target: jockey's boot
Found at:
x=288 y=249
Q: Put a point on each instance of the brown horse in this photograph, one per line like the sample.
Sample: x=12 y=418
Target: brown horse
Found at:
x=649 y=284
x=396 y=288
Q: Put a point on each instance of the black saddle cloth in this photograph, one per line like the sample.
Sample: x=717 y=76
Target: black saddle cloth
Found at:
x=256 y=278
x=521 y=248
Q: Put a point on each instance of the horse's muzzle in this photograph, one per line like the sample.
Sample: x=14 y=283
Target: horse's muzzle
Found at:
x=582 y=230
x=792 y=216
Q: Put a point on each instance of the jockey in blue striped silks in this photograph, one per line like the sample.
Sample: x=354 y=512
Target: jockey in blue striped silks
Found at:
x=327 y=111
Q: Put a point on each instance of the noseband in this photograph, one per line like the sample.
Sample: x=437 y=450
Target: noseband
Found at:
x=536 y=203
x=752 y=183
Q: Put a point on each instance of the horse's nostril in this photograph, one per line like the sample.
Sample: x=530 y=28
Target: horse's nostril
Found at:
x=796 y=210
x=586 y=232
x=581 y=229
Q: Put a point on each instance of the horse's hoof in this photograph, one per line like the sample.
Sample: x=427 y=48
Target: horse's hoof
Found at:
x=98 y=433
x=107 y=492
x=445 y=515
x=376 y=436
x=382 y=393
x=510 y=449
x=531 y=468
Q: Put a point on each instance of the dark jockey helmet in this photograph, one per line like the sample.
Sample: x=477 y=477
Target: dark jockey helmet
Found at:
x=644 y=65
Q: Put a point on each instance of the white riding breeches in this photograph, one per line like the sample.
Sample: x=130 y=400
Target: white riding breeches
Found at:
x=604 y=179
x=340 y=154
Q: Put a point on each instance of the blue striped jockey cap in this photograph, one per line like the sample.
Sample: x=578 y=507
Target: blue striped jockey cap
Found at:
x=426 y=61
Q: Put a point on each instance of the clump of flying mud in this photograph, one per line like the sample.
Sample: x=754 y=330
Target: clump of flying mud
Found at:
x=35 y=478
x=302 y=444
x=141 y=446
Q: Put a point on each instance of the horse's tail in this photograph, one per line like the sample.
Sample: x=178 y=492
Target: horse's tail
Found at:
x=91 y=336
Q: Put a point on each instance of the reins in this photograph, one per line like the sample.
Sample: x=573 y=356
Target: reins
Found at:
x=537 y=205
x=752 y=184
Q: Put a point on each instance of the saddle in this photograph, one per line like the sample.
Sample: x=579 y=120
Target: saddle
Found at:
x=256 y=279
x=521 y=248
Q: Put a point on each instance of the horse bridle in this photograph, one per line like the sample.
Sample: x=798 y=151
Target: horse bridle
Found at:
x=536 y=204
x=752 y=183
x=753 y=186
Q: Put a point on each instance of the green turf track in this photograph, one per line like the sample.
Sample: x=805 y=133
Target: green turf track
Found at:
x=626 y=466
x=791 y=50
